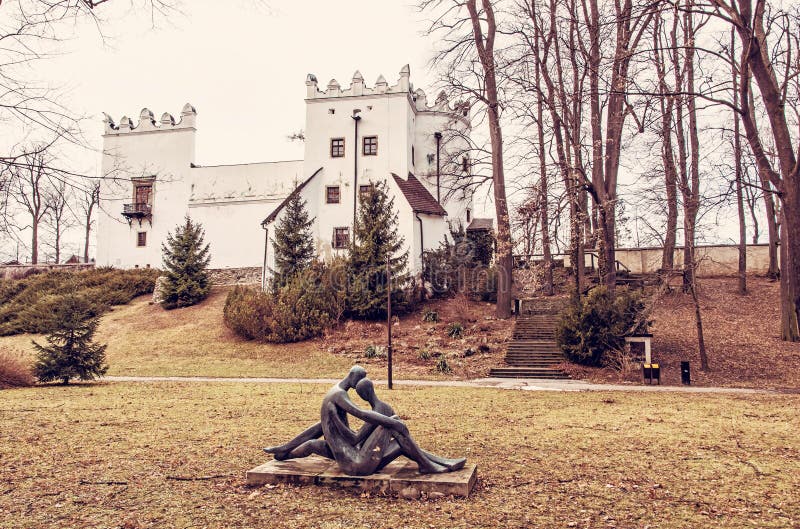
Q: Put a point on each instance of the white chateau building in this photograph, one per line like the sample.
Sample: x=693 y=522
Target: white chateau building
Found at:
x=353 y=137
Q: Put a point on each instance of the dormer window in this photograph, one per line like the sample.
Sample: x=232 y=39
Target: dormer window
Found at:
x=337 y=148
x=370 y=145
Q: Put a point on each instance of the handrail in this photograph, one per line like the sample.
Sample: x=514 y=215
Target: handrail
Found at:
x=137 y=208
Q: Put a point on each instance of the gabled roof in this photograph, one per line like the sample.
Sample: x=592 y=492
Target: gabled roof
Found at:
x=481 y=224
x=418 y=196
x=272 y=216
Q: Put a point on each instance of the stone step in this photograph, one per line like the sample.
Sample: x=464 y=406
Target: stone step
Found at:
x=543 y=348
x=555 y=351
x=544 y=355
x=534 y=363
x=526 y=372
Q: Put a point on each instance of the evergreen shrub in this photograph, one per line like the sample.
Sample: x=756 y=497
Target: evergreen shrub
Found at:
x=594 y=326
x=70 y=351
x=185 y=266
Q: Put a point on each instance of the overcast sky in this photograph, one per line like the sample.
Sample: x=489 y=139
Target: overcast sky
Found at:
x=243 y=66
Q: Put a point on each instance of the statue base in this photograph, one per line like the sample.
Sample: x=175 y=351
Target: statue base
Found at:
x=401 y=477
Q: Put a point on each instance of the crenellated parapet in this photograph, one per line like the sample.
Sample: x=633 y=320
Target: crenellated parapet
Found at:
x=148 y=123
x=403 y=86
x=358 y=87
x=440 y=104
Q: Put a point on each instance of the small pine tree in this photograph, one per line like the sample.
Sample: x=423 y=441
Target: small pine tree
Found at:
x=185 y=264
x=376 y=238
x=293 y=242
x=70 y=351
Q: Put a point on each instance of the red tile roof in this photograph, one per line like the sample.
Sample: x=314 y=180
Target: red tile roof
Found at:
x=418 y=196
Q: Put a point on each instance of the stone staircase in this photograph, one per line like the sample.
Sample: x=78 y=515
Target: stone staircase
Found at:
x=533 y=352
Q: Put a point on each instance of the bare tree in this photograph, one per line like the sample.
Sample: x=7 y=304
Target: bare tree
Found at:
x=469 y=64
x=775 y=70
x=30 y=179
x=739 y=172
x=60 y=216
x=89 y=200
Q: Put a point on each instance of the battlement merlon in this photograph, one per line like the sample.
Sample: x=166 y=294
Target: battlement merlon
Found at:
x=403 y=86
x=147 y=122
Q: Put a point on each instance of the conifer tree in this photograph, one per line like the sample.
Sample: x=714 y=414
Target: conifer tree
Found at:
x=293 y=242
x=185 y=264
x=376 y=238
x=70 y=351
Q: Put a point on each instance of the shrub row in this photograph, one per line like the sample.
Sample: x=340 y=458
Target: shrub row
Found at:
x=303 y=308
x=27 y=304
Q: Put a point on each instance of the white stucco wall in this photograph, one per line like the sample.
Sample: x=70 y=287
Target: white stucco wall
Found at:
x=165 y=152
x=231 y=201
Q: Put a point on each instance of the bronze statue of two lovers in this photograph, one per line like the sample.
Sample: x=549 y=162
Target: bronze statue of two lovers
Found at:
x=382 y=439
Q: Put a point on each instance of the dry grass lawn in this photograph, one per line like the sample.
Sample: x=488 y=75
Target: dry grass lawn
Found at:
x=101 y=456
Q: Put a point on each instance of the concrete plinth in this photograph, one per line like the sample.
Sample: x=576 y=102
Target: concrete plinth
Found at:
x=401 y=477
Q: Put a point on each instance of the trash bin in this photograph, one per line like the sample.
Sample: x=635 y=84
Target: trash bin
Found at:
x=686 y=376
x=656 y=373
x=647 y=373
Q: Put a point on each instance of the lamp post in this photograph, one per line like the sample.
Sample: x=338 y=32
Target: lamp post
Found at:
x=389 y=317
x=356 y=119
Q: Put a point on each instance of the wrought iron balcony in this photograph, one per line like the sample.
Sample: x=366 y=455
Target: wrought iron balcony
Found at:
x=138 y=211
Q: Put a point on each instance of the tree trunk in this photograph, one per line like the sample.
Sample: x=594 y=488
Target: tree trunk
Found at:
x=34 y=241
x=772 y=231
x=543 y=201
x=667 y=103
x=789 y=301
x=737 y=160
x=692 y=192
x=548 y=257
x=86 y=242
x=485 y=47
x=701 y=342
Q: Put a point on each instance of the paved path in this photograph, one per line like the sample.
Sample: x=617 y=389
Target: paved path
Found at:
x=500 y=383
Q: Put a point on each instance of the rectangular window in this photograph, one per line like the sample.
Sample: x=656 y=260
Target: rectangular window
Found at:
x=465 y=164
x=370 y=145
x=413 y=157
x=141 y=239
x=332 y=195
x=469 y=215
x=341 y=238
x=337 y=148
x=364 y=190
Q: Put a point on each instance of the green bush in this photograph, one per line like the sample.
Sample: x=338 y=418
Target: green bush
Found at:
x=593 y=326
x=26 y=305
x=303 y=308
x=374 y=351
x=70 y=351
x=248 y=313
x=441 y=365
x=430 y=316
x=185 y=266
x=455 y=330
